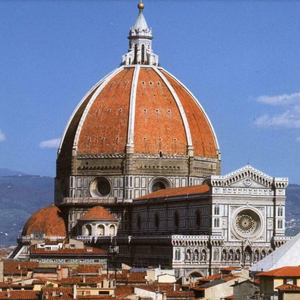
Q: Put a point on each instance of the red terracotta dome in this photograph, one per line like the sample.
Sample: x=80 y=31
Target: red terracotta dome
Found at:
x=47 y=220
x=97 y=213
x=142 y=107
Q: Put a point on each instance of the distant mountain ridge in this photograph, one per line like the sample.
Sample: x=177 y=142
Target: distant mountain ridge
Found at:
x=7 y=172
x=21 y=195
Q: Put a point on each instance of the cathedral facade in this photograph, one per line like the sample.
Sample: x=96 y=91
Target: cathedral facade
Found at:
x=138 y=175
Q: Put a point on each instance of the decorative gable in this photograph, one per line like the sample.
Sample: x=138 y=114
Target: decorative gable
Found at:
x=247 y=177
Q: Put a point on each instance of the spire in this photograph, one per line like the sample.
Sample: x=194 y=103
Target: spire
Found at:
x=140 y=42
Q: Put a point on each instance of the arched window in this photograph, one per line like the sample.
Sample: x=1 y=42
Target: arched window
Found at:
x=248 y=254
x=156 y=221
x=88 y=229
x=203 y=255
x=143 y=53
x=159 y=185
x=224 y=255
x=216 y=222
x=196 y=255
x=216 y=255
x=112 y=230
x=238 y=255
x=280 y=211
x=256 y=255
x=198 y=219
x=177 y=254
x=135 y=54
x=100 y=230
x=176 y=220
x=231 y=255
x=280 y=224
x=188 y=254
x=217 y=210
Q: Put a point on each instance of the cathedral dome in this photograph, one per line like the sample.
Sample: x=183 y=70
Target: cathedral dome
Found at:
x=47 y=220
x=140 y=109
x=137 y=121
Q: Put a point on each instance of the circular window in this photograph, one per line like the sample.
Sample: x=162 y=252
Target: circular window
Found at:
x=100 y=187
x=159 y=183
x=247 y=223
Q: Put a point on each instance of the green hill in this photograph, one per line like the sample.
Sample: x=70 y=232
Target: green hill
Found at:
x=21 y=196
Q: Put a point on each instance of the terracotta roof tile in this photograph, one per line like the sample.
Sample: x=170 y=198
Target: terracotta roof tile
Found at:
x=180 y=191
x=158 y=121
x=89 y=269
x=288 y=287
x=97 y=213
x=132 y=277
x=48 y=220
x=168 y=288
x=289 y=271
x=123 y=290
x=54 y=293
x=23 y=295
x=210 y=278
x=81 y=280
x=18 y=267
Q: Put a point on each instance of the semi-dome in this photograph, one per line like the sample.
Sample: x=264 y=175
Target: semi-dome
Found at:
x=47 y=220
x=138 y=120
x=97 y=213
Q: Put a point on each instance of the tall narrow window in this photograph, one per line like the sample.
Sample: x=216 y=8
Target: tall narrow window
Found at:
x=198 y=219
x=156 y=221
x=216 y=222
x=143 y=53
x=139 y=222
x=216 y=210
x=88 y=230
x=176 y=220
x=135 y=54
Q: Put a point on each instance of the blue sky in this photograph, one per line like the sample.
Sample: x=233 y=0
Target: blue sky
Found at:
x=241 y=59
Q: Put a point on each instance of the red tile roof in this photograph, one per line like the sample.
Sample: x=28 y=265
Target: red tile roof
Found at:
x=48 y=220
x=81 y=280
x=181 y=191
x=168 y=288
x=288 y=287
x=18 y=267
x=132 y=277
x=97 y=213
x=54 y=293
x=23 y=295
x=290 y=271
x=89 y=269
x=210 y=278
x=123 y=290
